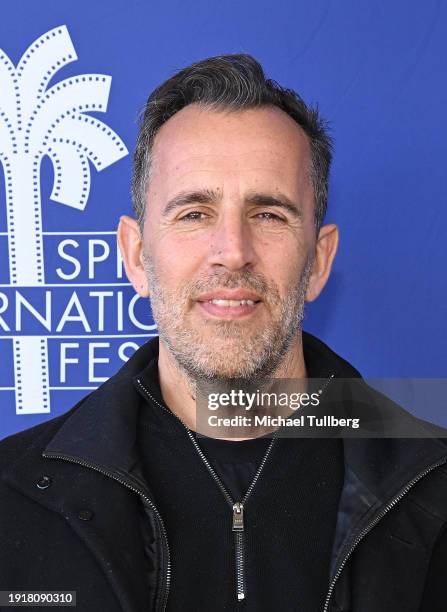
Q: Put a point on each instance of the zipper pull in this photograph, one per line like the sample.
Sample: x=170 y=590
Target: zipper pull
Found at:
x=238 y=516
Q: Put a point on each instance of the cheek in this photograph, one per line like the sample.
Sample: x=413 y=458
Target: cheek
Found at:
x=284 y=257
x=175 y=261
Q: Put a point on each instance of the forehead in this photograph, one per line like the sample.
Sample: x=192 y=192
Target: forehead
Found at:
x=198 y=142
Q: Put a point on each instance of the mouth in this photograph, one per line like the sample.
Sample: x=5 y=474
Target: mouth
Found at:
x=229 y=304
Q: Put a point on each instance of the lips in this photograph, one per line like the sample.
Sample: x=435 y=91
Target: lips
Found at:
x=235 y=295
x=229 y=304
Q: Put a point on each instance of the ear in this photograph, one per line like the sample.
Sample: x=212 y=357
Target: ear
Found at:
x=131 y=247
x=325 y=250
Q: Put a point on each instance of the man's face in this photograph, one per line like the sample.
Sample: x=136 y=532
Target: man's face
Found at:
x=228 y=239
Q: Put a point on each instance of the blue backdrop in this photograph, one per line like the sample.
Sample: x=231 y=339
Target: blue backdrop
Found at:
x=377 y=71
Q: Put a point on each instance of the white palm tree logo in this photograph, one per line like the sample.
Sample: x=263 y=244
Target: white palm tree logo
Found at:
x=36 y=121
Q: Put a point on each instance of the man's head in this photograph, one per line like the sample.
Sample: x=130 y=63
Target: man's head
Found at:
x=230 y=190
x=231 y=83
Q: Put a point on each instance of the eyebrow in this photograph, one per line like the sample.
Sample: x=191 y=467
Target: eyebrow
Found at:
x=278 y=201
x=201 y=196
x=209 y=196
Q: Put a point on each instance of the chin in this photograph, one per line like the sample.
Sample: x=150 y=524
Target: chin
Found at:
x=227 y=368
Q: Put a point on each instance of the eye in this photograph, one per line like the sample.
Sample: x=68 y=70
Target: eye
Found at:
x=194 y=215
x=271 y=217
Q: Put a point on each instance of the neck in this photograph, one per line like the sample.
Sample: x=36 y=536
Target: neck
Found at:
x=177 y=388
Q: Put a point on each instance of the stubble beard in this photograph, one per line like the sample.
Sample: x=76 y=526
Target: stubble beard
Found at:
x=224 y=350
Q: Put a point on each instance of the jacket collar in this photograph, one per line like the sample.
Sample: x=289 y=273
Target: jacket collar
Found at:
x=103 y=430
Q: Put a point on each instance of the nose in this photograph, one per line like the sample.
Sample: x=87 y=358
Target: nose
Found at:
x=231 y=245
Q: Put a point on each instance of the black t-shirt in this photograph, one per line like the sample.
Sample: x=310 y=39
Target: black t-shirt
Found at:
x=289 y=517
x=236 y=463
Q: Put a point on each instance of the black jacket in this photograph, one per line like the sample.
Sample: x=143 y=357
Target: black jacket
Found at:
x=75 y=509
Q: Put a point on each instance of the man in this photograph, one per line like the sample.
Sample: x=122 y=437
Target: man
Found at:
x=120 y=501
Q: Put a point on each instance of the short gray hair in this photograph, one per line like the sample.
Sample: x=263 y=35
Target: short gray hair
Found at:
x=230 y=82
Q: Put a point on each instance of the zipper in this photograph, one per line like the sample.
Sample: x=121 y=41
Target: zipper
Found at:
x=374 y=522
x=328 y=380
x=146 y=500
x=240 y=574
x=237 y=507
